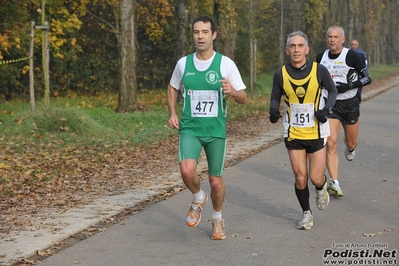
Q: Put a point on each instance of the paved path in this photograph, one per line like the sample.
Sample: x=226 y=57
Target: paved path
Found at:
x=261 y=212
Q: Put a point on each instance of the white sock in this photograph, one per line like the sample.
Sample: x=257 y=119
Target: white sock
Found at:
x=199 y=196
x=216 y=215
x=336 y=182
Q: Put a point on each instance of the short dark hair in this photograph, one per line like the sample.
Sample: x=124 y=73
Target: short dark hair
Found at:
x=206 y=19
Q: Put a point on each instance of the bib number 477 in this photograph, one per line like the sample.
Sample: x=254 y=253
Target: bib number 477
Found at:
x=203 y=105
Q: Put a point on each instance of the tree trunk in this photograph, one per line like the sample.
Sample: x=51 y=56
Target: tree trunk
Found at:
x=351 y=16
x=128 y=58
x=226 y=18
x=45 y=55
x=31 y=72
x=183 y=24
x=251 y=45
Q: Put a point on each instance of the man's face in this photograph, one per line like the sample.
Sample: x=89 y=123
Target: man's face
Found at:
x=335 y=40
x=354 y=45
x=203 y=37
x=297 y=50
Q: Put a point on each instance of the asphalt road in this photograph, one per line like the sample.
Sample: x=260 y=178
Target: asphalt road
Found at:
x=261 y=212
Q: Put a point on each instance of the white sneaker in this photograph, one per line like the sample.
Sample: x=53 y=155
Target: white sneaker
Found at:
x=349 y=155
x=334 y=189
x=322 y=197
x=307 y=221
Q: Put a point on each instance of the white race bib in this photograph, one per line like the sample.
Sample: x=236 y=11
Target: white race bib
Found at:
x=302 y=115
x=204 y=103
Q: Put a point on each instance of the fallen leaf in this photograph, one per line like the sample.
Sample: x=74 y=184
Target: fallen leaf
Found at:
x=3 y=165
x=44 y=252
x=369 y=235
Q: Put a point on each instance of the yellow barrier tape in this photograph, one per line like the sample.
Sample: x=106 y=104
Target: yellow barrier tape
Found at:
x=6 y=62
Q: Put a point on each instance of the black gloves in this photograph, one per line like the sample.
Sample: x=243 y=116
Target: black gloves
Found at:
x=343 y=87
x=274 y=115
x=323 y=114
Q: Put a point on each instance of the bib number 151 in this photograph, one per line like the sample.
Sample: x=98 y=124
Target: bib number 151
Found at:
x=302 y=115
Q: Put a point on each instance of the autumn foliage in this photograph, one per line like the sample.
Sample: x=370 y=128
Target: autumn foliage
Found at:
x=84 y=37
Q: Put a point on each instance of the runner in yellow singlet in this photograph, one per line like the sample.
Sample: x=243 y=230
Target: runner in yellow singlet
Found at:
x=309 y=94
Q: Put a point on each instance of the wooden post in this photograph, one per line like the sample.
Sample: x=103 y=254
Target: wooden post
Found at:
x=46 y=61
x=46 y=65
x=45 y=54
x=254 y=81
x=31 y=73
x=251 y=46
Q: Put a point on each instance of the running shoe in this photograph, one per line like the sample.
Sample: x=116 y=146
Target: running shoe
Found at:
x=322 y=196
x=218 y=232
x=307 y=221
x=334 y=189
x=194 y=213
x=349 y=155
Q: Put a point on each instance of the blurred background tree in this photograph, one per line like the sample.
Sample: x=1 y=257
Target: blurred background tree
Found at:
x=84 y=55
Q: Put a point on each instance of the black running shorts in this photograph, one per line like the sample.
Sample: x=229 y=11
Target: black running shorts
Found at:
x=310 y=146
x=347 y=111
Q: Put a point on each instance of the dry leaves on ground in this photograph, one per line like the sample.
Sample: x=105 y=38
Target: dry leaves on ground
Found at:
x=79 y=176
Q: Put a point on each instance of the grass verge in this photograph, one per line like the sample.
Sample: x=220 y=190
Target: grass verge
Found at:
x=85 y=120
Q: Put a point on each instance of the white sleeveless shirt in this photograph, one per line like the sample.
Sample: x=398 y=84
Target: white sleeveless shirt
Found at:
x=339 y=71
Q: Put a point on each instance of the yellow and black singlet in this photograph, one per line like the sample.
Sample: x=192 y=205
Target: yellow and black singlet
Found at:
x=302 y=98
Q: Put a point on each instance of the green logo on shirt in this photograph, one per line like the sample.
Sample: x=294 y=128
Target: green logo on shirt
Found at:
x=212 y=77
